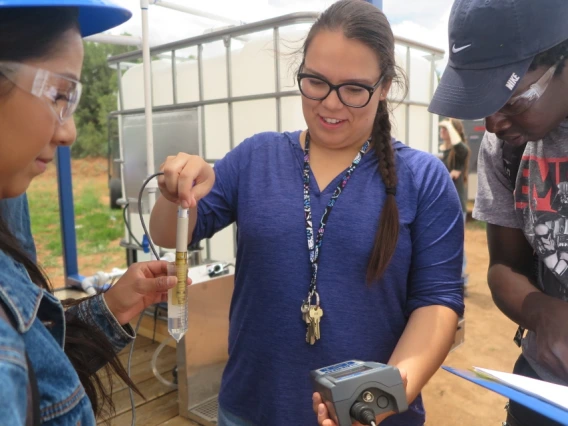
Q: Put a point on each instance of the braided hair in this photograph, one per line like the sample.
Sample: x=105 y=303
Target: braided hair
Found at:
x=359 y=20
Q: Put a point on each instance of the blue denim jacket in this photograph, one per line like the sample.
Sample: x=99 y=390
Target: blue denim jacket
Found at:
x=16 y=213
x=40 y=320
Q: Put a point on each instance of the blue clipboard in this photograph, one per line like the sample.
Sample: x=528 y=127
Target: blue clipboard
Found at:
x=536 y=404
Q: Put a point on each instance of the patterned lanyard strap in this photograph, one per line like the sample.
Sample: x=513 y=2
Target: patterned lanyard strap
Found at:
x=315 y=246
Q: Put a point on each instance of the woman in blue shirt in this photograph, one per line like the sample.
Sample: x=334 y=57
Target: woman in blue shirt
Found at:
x=49 y=356
x=383 y=264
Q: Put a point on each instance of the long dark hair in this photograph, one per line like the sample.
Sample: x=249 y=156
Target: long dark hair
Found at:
x=359 y=20
x=33 y=33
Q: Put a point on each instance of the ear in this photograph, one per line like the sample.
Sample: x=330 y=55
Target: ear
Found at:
x=385 y=89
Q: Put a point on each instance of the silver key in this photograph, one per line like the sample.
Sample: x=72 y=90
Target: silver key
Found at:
x=305 y=312
x=306 y=317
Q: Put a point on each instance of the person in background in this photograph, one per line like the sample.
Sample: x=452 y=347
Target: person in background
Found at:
x=384 y=267
x=455 y=155
x=50 y=353
x=508 y=65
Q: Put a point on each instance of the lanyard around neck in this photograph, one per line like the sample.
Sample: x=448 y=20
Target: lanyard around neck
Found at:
x=314 y=245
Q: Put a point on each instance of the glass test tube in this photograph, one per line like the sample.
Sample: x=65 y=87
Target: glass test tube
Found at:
x=177 y=296
x=177 y=302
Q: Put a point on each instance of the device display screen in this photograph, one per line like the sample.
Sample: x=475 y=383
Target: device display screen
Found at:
x=350 y=371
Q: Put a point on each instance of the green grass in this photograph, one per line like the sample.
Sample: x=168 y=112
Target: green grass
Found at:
x=96 y=224
x=476 y=225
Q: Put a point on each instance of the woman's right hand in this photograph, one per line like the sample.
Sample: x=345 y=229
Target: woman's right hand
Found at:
x=186 y=179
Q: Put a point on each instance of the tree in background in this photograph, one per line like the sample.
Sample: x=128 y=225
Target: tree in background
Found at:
x=99 y=98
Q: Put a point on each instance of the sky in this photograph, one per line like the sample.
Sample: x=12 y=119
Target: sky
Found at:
x=422 y=20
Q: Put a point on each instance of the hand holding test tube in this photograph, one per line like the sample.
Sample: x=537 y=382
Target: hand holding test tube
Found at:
x=177 y=296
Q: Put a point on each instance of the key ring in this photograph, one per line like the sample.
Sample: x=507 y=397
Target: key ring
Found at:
x=311 y=295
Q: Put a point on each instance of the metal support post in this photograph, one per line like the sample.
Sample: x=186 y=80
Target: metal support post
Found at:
x=67 y=217
x=227 y=42
x=152 y=186
x=378 y=3
x=276 y=37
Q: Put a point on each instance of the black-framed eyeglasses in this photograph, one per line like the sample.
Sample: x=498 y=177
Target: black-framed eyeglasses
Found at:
x=355 y=95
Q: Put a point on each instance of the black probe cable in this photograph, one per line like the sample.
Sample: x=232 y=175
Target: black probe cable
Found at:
x=142 y=313
x=128 y=225
x=363 y=414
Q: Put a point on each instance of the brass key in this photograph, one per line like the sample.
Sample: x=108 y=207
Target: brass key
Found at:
x=310 y=337
x=315 y=316
x=306 y=309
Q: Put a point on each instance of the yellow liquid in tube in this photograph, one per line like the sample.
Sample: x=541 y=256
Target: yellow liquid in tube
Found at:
x=177 y=296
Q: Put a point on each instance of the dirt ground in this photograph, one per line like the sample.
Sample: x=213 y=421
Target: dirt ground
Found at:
x=449 y=400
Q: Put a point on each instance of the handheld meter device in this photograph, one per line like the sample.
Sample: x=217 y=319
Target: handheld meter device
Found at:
x=358 y=390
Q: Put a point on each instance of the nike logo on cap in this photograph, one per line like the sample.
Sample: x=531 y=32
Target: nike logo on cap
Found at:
x=459 y=49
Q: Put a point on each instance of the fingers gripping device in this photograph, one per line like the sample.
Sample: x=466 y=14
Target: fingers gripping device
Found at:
x=359 y=391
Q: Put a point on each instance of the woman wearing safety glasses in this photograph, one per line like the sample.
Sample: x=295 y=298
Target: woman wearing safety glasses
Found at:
x=349 y=243
x=48 y=357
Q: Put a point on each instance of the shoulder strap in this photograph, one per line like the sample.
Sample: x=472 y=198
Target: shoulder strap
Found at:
x=512 y=156
x=33 y=413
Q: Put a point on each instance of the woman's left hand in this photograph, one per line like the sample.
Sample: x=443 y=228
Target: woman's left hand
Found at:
x=323 y=413
x=142 y=285
x=455 y=174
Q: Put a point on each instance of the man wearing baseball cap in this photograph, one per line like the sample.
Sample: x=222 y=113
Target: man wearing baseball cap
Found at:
x=508 y=65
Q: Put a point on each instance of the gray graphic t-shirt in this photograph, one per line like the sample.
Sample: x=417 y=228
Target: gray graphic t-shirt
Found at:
x=538 y=205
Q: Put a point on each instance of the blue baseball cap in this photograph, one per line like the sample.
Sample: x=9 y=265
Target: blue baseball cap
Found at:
x=492 y=44
x=95 y=16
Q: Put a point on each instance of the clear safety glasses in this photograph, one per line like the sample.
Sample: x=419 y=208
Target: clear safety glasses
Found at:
x=521 y=103
x=61 y=93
